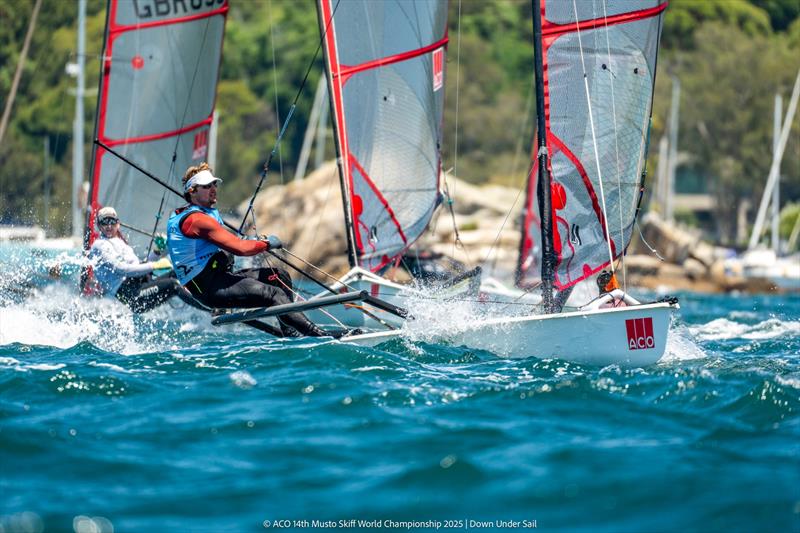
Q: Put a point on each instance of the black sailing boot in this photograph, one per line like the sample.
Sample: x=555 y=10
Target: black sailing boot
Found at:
x=296 y=325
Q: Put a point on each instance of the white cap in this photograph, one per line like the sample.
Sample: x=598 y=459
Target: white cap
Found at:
x=204 y=177
x=107 y=212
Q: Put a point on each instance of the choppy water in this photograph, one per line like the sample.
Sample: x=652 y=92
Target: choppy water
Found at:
x=110 y=422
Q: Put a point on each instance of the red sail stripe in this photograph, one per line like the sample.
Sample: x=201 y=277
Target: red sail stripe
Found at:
x=380 y=197
x=115 y=28
x=157 y=136
x=347 y=71
x=550 y=28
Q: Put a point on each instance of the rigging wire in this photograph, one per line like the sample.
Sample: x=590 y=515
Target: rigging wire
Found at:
x=457 y=241
x=297 y=294
x=526 y=114
x=277 y=107
x=329 y=289
x=594 y=135
x=652 y=250
x=265 y=169
x=616 y=149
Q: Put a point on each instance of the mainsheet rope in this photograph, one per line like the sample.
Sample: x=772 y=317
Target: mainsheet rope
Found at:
x=594 y=135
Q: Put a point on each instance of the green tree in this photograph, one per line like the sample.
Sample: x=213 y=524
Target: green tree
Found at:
x=728 y=88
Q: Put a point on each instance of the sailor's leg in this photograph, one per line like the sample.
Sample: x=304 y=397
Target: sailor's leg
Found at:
x=154 y=293
x=276 y=277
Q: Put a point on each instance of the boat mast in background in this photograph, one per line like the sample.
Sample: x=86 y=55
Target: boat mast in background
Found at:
x=776 y=195
x=672 y=158
x=317 y=123
x=77 y=126
x=774 y=170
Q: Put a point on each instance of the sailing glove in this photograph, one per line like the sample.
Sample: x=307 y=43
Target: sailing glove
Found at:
x=274 y=242
x=161 y=264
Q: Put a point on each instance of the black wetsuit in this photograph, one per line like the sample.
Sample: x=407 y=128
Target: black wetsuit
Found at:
x=144 y=293
x=219 y=287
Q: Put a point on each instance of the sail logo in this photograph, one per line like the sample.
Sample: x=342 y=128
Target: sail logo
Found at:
x=438 y=69
x=200 y=148
x=640 y=333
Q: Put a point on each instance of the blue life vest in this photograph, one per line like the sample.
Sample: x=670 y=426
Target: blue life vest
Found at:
x=189 y=256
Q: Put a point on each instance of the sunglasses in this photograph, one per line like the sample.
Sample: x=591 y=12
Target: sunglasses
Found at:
x=206 y=187
x=107 y=221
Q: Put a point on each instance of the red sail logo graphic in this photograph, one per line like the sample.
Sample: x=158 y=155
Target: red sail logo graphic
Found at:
x=200 y=145
x=640 y=333
x=438 y=69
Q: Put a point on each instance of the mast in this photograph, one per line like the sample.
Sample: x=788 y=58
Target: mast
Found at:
x=774 y=170
x=776 y=198
x=326 y=30
x=77 y=126
x=672 y=158
x=87 y=230
x=543 y=183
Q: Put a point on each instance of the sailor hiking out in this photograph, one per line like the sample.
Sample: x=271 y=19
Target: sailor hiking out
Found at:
x=200 y=247
x=119 y=273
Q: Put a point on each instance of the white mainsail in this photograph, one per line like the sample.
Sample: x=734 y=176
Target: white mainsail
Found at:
x=385 y=67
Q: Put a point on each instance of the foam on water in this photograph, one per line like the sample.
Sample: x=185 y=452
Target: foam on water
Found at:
x=57 y=316
x=723 y=329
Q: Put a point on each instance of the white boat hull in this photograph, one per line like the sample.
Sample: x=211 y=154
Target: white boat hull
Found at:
x=631 y=336
x=396 y=294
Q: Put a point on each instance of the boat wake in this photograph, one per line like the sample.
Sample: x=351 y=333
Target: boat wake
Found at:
x=56 y=316
x=724 y=329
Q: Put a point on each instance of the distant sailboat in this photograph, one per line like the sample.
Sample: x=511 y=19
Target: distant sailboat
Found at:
x=385 y=63
x=758 y=261
x=595 y=72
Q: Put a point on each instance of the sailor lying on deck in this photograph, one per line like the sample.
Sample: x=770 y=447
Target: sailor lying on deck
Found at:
x=118 y=272
x=197 y=244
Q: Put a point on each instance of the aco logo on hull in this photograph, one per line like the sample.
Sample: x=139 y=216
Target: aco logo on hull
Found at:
x=640 y=333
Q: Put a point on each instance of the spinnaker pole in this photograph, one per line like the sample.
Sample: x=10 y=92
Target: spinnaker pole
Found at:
x=543 y=183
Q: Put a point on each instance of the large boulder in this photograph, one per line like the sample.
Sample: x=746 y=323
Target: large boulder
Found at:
x=308 y=216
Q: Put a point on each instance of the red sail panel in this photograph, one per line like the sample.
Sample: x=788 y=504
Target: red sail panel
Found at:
x=617 y=42
x=157 y=94
x=385 y=62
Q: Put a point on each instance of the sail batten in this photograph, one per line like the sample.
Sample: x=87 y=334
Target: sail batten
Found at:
x=598 y=71
x=385 y=66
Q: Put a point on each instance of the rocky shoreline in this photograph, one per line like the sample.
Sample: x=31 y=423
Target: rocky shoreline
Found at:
x=307 y=215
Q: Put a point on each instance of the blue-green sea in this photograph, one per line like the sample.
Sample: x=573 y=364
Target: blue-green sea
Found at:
x=161 y=422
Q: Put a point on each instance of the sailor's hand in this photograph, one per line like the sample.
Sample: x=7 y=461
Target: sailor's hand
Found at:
x=162 y=264
x=273 y=241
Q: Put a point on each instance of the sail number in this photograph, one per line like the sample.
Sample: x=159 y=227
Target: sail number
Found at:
x=161 y=8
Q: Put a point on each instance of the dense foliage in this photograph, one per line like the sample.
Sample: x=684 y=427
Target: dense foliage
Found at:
x=731 y=56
